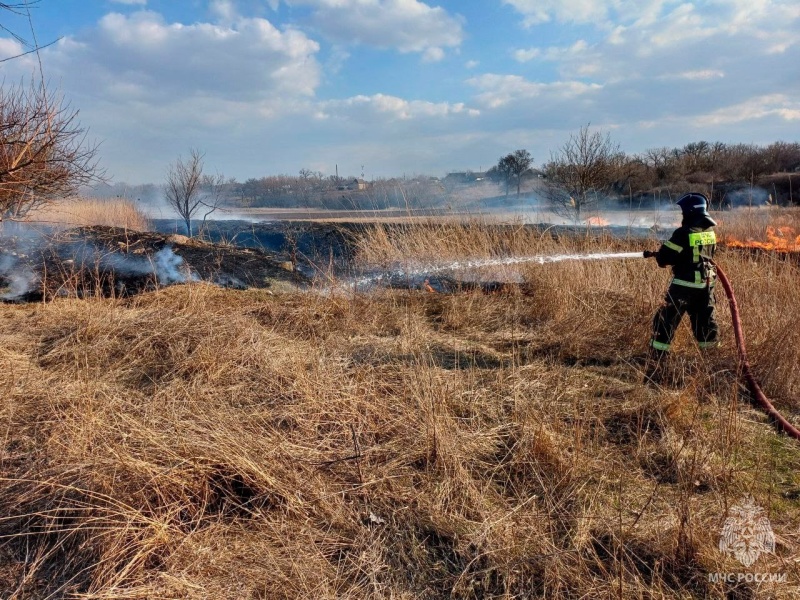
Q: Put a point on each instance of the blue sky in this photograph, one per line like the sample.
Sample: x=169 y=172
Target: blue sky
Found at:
x=408 y=86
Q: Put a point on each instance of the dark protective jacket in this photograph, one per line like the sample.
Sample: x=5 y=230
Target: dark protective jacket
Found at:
x=689 y=251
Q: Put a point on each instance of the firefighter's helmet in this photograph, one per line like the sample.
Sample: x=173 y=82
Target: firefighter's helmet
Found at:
x=694 y=203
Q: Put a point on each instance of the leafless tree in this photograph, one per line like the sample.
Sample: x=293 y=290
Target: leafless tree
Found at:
x=44 y=152
x=212 y=188
x=188 y=190
x=22 y=10
x=581 y=172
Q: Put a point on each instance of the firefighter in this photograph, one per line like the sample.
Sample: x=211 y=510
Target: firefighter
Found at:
x=689 y=252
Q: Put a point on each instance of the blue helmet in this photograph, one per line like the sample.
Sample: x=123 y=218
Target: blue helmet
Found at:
x=694 y=204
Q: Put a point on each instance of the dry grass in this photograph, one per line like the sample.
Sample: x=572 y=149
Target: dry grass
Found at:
x=752 y=223
x=83 y=212
x=202 y=443
x=435 y=240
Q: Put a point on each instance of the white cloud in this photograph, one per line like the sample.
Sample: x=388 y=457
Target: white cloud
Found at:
x=150 y=88
x=526 y=55
x=682 y=25
x=404 y=25
x=382 y=106
x=496 y=91
x=225 y=10
x=599 y=12
x=744 y=14
x=235 y=86
x=772 y=105
x=542 y=11
x=336 y=60
x=661 y=39
x=170 y=61
x=697 y=75
x=433 y=54
x=248 y=89
x=9 y=48
x=684 y=19
x=576 y=51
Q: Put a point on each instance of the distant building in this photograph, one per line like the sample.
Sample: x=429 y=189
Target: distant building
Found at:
x=356 y=184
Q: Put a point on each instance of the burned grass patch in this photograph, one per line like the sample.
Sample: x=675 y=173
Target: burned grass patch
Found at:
x=113 y=262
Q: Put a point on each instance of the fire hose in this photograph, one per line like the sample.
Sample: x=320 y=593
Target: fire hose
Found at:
x=759 y=397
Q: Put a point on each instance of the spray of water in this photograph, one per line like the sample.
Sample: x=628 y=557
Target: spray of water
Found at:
x=418 y=270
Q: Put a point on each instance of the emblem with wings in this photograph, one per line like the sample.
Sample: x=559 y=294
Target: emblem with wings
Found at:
x=747 y=533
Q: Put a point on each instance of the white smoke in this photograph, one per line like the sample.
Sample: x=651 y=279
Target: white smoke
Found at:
x=20 y=280
x=167 y=267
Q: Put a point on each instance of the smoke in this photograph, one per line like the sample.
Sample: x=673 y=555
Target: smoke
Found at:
x=753 y=196
x=19 y=278
x=168 y=267
x=18 y=241
x=165 y=266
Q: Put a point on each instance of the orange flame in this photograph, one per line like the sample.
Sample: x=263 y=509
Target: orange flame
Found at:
x=779 y=239
x=597 y=222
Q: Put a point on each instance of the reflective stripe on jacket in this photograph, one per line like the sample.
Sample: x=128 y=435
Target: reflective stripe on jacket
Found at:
x=689 y=252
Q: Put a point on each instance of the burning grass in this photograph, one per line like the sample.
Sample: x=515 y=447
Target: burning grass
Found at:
x=196 y=442
x=771 y=228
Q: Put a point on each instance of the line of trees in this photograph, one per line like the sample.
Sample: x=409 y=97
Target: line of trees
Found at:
x=725 y=162
x=590 y=167
x=312 y=189
x=587 y=169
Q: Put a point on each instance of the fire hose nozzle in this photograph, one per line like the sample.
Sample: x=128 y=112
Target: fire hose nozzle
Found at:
x=649 y=253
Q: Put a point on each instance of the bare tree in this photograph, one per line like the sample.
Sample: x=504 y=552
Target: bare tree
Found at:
x=21 y=9
x=44 y=153
x=212 y=190
x=189 y=191
x=582 y=171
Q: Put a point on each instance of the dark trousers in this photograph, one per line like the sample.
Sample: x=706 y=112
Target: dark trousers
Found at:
x=699 y=303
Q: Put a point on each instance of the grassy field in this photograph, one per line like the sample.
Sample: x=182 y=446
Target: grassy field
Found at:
x=196 y=442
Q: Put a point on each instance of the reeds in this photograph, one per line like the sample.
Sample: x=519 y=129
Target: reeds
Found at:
x=80 y=212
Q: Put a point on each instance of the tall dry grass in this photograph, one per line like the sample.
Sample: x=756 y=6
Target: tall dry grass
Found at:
x=81 y=212
x=206 y=443
x=750 y=224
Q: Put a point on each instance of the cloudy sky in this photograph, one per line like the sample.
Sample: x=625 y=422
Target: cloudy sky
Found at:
x=408 y=86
